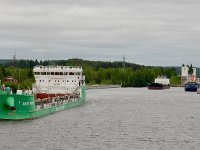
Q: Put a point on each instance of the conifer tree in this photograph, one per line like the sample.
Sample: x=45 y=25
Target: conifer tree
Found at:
x=190 y=71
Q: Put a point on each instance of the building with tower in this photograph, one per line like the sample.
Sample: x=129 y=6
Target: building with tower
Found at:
x=185 y=73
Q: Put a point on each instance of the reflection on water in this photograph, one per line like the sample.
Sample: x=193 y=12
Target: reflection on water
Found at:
x=122 y=118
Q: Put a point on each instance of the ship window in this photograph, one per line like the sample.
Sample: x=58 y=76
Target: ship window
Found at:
x=49 y=80
x=67 y=80
x=61 y=73
x=65 y=73
x=56 y=73
x=52 y=73
x=72 y=81
x=40 y=80
x=48 y=73
x=63 y=81
x=58 y=81
x=78 y=73
x=37 y=73
x=43 y=73
x=71 y=73
x=55 y=80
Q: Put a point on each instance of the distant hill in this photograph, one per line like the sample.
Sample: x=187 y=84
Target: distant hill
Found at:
x=70 y=62
x=85 y=63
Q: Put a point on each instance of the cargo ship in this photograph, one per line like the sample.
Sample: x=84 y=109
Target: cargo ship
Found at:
x=56 y=88
x=160 y=83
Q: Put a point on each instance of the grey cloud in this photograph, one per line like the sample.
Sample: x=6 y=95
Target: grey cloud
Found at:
x=150 y=32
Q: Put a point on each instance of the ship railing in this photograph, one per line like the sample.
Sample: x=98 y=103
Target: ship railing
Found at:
x=54 y=101
x=53 y=66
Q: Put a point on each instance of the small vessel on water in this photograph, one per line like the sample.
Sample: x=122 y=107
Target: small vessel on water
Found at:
x=160 y=83
x=56 y=88
x=191 y=84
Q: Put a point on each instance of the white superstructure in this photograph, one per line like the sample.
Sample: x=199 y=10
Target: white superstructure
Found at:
x=162 y=80
x=57 y=79
x=185 y=69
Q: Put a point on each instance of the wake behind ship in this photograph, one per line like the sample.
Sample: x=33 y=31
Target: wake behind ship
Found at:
x=56 y=88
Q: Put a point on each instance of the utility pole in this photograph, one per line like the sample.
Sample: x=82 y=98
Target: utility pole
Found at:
x=15 y=65
x=124 y=62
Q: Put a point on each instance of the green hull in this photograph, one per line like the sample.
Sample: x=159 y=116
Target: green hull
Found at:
x=16 y=107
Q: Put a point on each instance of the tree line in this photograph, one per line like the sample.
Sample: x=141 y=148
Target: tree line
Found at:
x=96 y=72
x=127 y=77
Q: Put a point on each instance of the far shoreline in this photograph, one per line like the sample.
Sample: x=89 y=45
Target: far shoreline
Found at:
x=99 y=86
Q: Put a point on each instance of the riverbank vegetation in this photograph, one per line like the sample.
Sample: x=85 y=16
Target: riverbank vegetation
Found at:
x=96 y=72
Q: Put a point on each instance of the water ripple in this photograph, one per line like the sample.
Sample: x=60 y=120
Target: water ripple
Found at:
x=113 y=119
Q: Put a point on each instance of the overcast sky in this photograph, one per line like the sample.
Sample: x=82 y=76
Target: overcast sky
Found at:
x=149 y=32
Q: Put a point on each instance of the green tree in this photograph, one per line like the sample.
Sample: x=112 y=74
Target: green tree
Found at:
x=30 y=74
x=175 y=80
x=190 y=71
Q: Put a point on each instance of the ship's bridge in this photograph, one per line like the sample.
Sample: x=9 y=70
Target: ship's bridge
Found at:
x=57 y=79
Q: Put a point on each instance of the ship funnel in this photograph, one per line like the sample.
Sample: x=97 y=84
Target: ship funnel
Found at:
x=10 y=103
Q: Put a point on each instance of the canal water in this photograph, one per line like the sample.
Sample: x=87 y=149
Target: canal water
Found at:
x=113 y=119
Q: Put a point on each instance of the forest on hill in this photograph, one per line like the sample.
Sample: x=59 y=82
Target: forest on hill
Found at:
x=96 y=72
